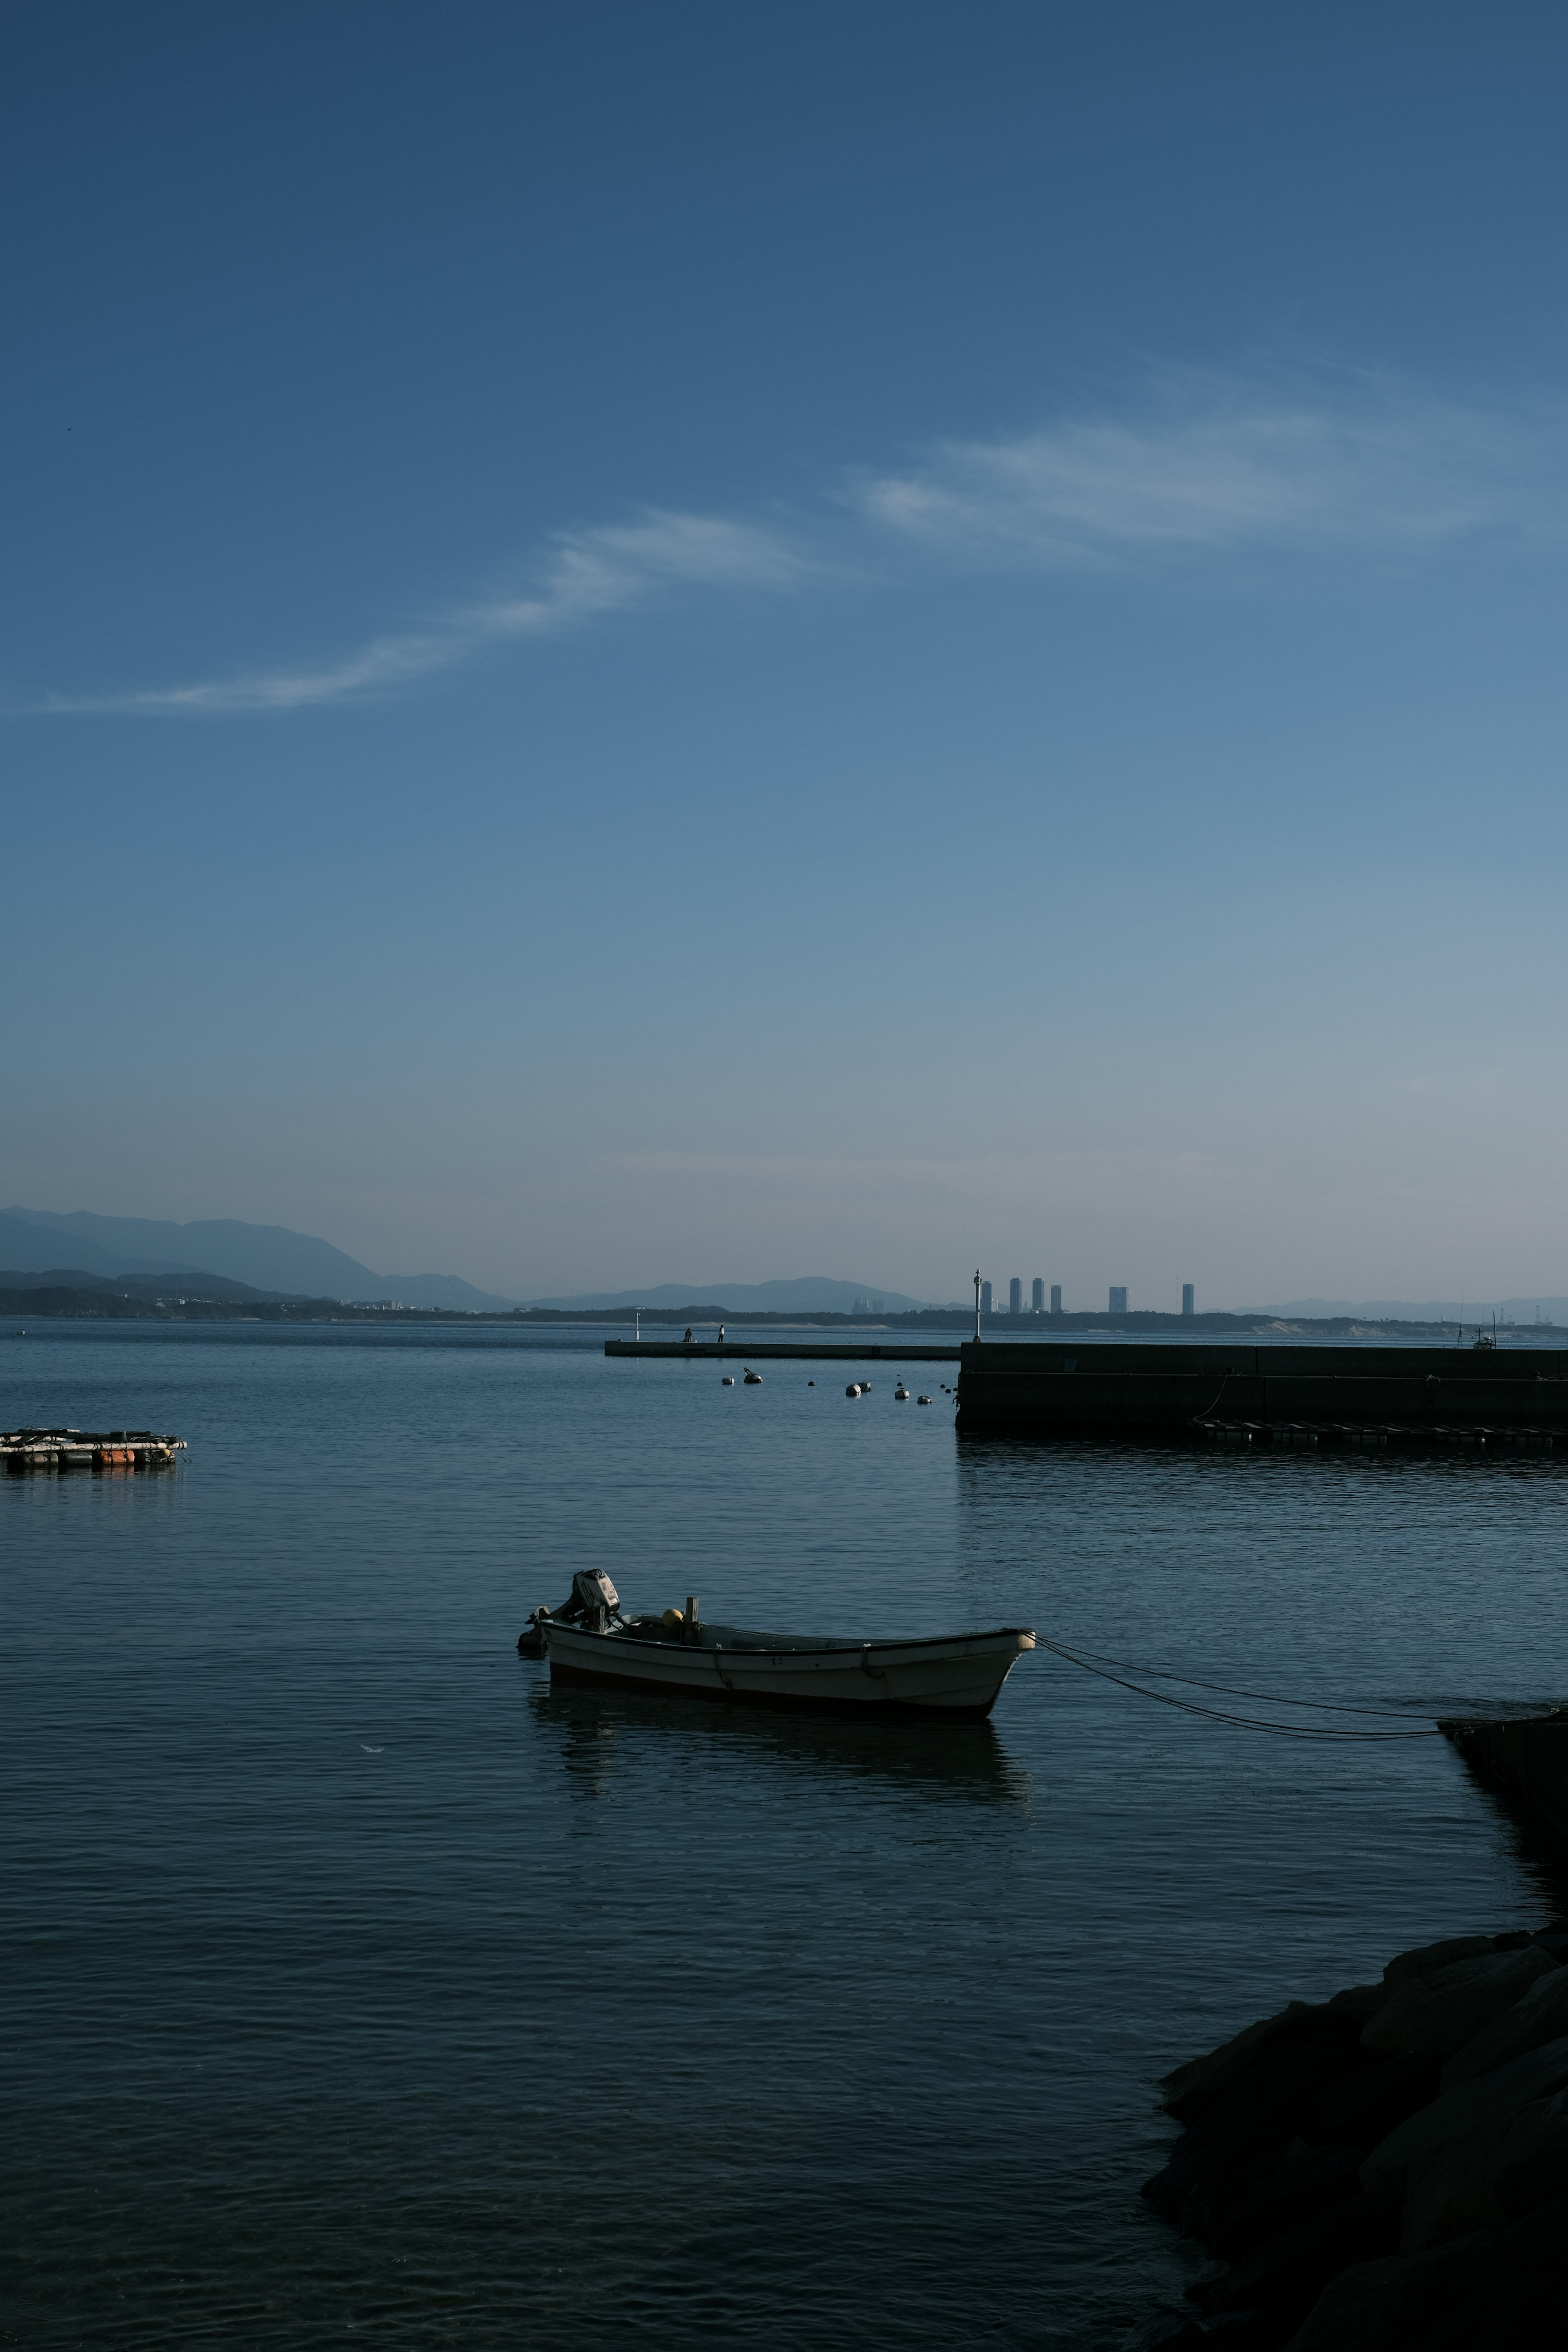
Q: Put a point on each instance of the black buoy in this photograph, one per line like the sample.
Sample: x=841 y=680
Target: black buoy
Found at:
x=531 y=1641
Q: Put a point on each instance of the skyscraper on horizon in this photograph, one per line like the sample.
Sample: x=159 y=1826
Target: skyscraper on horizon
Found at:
x=1187 y=1305
x=1056 y=1299
x=1015 y=1297
x=1039 y=1301
x=986 y=1299
x=1119 y=1299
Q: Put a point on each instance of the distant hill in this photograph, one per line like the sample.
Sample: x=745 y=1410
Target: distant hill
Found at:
x=265 y=1258
x=200 y=1286
x=808 y=1293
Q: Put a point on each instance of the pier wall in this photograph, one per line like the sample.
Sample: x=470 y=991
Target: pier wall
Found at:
x=810 y=1351
x=1039 y=1392
x=1524 y=1757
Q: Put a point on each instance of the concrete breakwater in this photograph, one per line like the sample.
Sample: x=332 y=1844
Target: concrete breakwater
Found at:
x=1387 y=2168
x=1505 y=1397
x=892 y=1351
x=1525 y=1759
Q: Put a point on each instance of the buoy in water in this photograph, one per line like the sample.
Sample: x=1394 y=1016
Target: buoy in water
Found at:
x=922 y=1400
x=727 y=1381
x=531 y=1642
x=752 y=1379
x=853 y=1389
x=901 y=1394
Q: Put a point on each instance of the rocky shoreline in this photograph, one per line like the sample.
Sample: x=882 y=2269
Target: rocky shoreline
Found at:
x=1387 y=2168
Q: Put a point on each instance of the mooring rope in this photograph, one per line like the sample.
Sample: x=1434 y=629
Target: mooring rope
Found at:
x=1234 y=1690
x=1242 y=1722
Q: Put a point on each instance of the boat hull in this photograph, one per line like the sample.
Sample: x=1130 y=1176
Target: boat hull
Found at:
x=952 y=1679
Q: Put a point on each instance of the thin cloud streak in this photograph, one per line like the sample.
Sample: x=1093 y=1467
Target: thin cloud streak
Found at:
x=1206 y=474
x=590 y=573
x=1389 y=475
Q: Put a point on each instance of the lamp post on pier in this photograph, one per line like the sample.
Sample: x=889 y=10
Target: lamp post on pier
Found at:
x=977 y=1302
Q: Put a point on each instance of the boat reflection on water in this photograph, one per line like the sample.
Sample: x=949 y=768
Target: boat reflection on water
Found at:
x=598 y=1732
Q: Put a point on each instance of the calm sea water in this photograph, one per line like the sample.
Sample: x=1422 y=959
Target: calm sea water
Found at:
x=357 y=1987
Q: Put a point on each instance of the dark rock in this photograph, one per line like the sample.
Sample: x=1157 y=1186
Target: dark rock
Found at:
x=1356 y=2003
x=1220 y=2165
x=1192 y=2090
x=1195 y=2083
x=1286 y=2078
x=1459 y=2114
x=1168 y=2190
x=1247 y=2331
x=1229 y=2331
x=1498 y=2174
x=1440 y=2013
x=1386 y=2168
x=1493 y=2288
x=1214 y=2172
x=1538 y=2017
x=1290 y=2272
x=1427 y=1958
x=1536 y=2173
x=1305 y=2182
x=1362 y=2108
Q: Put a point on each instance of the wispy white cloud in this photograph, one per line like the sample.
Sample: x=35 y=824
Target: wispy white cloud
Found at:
x=587 y=574
x=1205 y=470
x=1224 y=475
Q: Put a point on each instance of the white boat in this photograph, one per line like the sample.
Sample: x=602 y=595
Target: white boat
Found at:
x=942 y=1677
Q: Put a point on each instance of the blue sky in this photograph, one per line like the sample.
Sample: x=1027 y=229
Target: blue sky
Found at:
x=647 y=643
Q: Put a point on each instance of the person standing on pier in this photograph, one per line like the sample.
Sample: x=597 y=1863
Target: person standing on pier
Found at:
x=720 y=1335
x=687 y=1342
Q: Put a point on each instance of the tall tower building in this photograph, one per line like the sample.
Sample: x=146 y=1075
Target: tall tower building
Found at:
x=1015 y=1297
x=986 y=1299
x=1187 y=1307
x=1039 y=1301
x=1119 y=1299
x=1056 y=1299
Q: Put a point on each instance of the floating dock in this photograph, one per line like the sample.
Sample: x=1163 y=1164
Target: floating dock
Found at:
x=1512 y=1399
x=887 y=1351
x=76 y=1449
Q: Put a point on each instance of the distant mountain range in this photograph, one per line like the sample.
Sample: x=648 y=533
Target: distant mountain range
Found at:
x=271 y=1260
x=809 y=1294
x=264 y=1257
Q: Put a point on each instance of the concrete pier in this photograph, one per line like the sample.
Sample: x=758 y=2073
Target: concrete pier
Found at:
x=1265 y=1394
x=1524 y=1757
x=887 y=1351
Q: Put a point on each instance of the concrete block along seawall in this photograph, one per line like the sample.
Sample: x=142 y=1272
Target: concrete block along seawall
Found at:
x=1422 y=1393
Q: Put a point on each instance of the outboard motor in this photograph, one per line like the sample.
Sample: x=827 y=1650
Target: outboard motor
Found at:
x=594 y=1600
